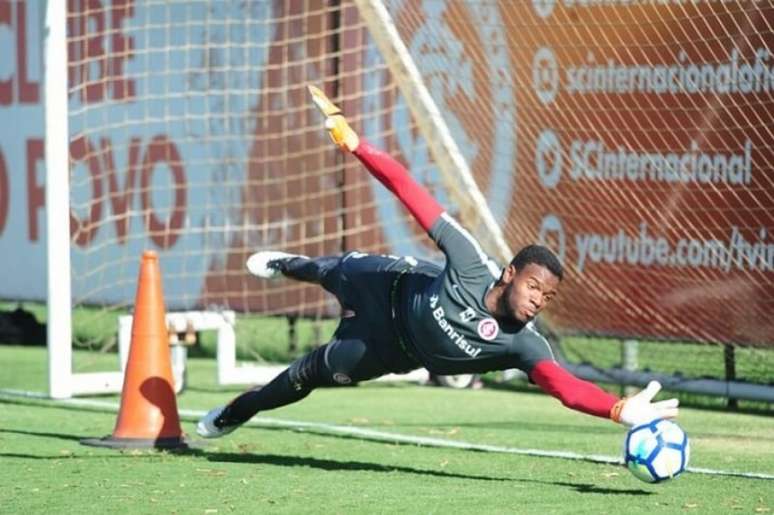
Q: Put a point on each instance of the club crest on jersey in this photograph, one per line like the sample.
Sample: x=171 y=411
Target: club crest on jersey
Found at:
x=488 y=329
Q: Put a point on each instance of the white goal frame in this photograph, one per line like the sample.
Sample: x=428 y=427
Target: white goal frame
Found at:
x=62 y=381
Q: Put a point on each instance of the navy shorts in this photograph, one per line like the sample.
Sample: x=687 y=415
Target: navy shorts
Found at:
x=366 y=345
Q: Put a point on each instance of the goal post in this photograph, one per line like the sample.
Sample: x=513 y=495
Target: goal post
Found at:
x=603 y=130
x=62 y=382
x=187 y=129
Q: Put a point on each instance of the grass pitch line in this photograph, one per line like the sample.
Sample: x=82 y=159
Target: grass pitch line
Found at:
x=381 y=436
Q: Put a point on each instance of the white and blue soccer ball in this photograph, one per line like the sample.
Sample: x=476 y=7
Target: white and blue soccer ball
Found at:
x=656 y=451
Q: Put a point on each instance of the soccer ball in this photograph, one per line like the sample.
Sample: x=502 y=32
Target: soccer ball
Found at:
x=656 y=451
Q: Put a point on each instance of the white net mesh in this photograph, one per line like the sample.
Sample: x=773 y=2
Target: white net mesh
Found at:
x=632 y=137
x=192 y=133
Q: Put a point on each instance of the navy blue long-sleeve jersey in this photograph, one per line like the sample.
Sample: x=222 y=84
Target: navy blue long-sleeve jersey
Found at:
x=444 y=321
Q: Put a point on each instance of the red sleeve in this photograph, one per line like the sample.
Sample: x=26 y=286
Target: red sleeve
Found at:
x=574 y=393
x=397 y=179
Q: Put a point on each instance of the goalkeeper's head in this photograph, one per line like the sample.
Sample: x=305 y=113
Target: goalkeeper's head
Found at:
x=538 y=255
x=529 y=283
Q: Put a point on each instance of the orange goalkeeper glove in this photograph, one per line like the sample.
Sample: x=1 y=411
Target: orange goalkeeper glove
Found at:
x=638 y=409
x=338 y=128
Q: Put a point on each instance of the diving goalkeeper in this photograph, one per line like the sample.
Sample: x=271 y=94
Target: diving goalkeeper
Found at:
x=400 y=313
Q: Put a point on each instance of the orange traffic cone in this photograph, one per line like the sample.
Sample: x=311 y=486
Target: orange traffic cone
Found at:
x=148 y=415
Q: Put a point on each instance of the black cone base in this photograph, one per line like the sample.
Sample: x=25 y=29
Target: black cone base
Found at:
x=136 y=443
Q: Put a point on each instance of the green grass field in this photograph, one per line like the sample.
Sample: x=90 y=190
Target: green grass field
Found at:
x=277 y=465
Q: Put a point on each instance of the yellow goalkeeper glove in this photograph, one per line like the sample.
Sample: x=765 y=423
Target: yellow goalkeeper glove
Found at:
x=338 y=128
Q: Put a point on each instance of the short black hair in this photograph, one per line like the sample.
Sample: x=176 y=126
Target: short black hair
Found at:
x=538 y=255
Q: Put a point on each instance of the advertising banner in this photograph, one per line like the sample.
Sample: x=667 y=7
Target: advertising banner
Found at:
x=633 y=138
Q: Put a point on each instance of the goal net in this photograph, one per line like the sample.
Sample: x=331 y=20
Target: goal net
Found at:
x=633 y=138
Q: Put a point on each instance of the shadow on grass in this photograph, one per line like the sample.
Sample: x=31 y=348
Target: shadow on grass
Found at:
x=42 y=434
x=593 y=489
x=360 y=466
x=327 y=464
x=307 y=462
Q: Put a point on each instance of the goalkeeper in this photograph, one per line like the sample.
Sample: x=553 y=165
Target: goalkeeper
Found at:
x=401 y=314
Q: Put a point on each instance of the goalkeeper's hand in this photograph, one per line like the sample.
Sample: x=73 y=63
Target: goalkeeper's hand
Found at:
x=638 y=409
x=338 y=128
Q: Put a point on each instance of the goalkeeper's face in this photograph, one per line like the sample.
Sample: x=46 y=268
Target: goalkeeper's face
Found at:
x=528 y=290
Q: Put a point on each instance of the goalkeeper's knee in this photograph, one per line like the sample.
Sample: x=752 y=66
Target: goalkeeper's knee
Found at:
x=310 y=371
x=323 y=368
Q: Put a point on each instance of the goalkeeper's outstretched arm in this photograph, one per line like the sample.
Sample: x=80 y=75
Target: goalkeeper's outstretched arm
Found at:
x=588 y=398
x=381 y=165
x=550 y=376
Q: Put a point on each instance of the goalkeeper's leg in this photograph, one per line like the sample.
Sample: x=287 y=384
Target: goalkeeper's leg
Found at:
x=311 y=270
x=337 y=274
x=270 y=264
x=339 y=363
